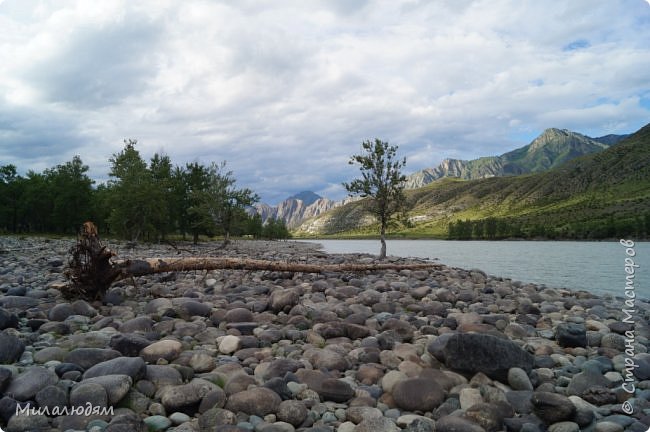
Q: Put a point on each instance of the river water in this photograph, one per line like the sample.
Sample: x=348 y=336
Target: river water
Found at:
x=598 y=267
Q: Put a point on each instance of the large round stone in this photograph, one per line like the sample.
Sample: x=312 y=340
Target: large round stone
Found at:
x=131 y=366
x=27 y=384
x=471 y=353
x=552 y=407
x=258 y=401
x=283 y=300
x=175 y=398
x=292 y=411
x=88 y=357
x=12 y=348
x=418 y=394
x=116 y=386
x=167 y=349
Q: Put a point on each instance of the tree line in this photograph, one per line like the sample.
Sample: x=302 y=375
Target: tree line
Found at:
x=500 y=228
x=140 y=201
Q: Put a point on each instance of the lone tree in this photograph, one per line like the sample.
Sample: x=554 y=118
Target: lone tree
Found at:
x=381 y=182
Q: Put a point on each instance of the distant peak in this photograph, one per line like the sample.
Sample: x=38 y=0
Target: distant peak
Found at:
x=307 y=197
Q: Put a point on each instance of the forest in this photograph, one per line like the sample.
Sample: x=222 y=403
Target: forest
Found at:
x=141 y=201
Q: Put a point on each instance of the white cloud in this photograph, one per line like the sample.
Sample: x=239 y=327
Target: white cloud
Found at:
x=286 y=91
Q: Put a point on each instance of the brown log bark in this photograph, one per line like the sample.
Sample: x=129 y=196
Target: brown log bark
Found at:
x=142 y=267
x=92 y=268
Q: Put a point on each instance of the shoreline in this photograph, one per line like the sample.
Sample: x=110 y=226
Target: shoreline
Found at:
x=349 y=352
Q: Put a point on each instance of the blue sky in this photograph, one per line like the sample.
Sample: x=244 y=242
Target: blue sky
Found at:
x=286 y=91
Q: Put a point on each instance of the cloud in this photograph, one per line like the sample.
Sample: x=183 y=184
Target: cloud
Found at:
x=286 y=91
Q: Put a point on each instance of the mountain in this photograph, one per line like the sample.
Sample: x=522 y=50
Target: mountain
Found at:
x=307 y=197
x=296 y=208
x=603 y=194
x=549 y=150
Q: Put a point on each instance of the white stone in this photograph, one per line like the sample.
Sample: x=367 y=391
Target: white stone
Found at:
x=229 y=344
x=389 y=380
x=469 y=397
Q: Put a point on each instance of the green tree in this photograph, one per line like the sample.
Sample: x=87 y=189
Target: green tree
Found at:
x=134 y=204
x=382 y=182
x=275 y=229
x=254 y=226
x=220 y=206
x=37 y=203
x=71 y=191
x=161 y=191
x=11 y=190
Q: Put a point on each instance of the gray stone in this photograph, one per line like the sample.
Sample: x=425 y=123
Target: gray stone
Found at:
x=141 y=324
x=326 y=359
x=88 y=357
x=334 y=390
x=116 y=386
x=129 y=344
x=472 y=352
x=608 y=426
x=552 y=407
x=18 y=302
x=131 y=366
x=157 y=423
x=193 y=308
x=163 y=375
x=259 y=401
x=175 y=398
x=50 y=353
x=583 y=381
x=81 y=307
x=52 y=396
x=564 y=427
x=356 y=414
x=239 y=315
x=283 y=300
x=520 y=401
x=179 y=418
x=381 y=424
x=292 y=411
x=12 y=348
x=88 y=392
x=571 y=335
x=215 y=399
x=217 y=419
x=642 y=372
x=457 y=424
x=418 y=394
x=518 y=379
x=31 y=381
x=60 y=312
x=167 y=349
x=8 y=319
x=22 y=423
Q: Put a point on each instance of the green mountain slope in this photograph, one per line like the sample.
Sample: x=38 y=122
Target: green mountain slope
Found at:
x=550 y=149
x=605 y=194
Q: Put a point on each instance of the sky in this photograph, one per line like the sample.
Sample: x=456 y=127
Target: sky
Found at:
x=286 y=91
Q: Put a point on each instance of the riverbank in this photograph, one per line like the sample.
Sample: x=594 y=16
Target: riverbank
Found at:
x=446 y=349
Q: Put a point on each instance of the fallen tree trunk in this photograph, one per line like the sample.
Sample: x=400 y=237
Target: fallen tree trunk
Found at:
x=92 y=269
x=147 y=266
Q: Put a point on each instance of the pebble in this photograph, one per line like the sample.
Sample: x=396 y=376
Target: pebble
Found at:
x=416 y=351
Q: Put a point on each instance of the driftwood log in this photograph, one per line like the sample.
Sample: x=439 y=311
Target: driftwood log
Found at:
x=92 y=267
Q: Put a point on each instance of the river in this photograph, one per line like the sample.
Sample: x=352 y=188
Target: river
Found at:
x=598 y=267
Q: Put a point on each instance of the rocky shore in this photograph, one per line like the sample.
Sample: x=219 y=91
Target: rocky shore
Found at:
x=420 y=351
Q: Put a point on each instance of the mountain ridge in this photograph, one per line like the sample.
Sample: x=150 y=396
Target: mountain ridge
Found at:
x=592 y=196
x=550 y=149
